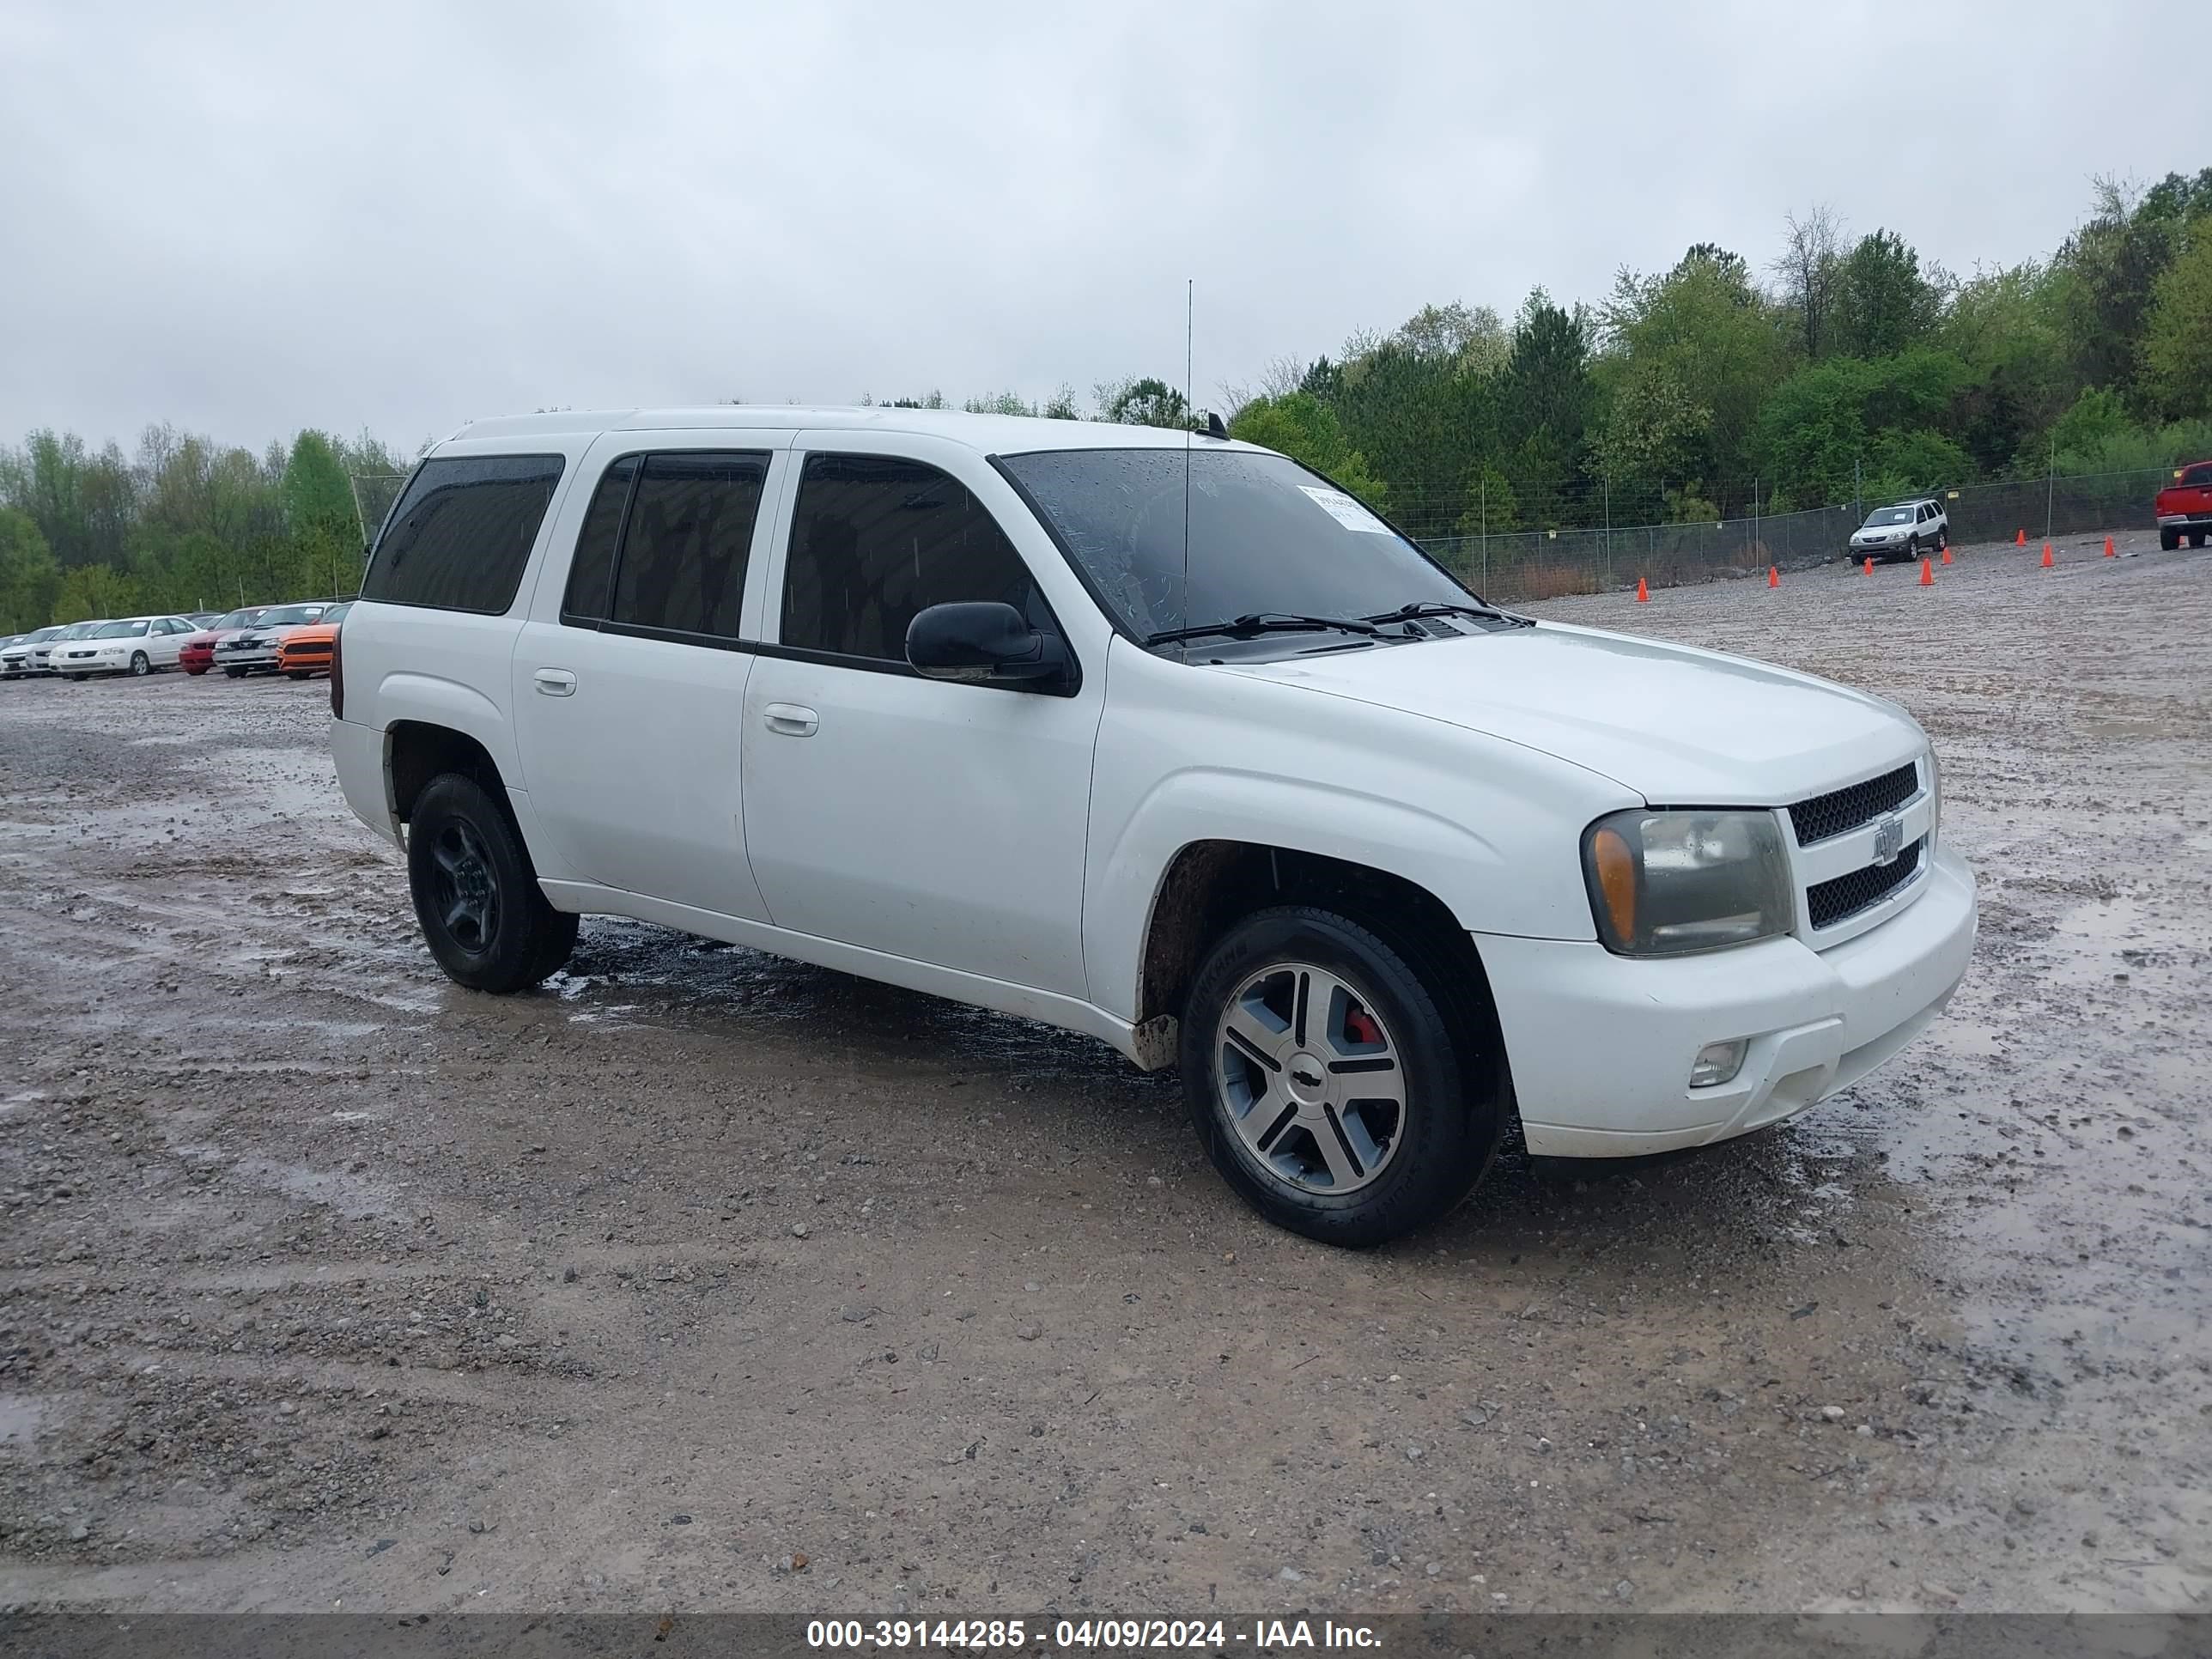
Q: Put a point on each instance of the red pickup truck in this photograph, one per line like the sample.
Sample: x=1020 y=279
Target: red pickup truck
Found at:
x=2185 y=506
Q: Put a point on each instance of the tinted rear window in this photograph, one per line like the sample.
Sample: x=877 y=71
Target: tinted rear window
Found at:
x=2197 y=475
x=460 y=536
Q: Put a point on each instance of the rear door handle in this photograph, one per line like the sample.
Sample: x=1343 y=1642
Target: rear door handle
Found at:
x=555 y=682
x=790 y=720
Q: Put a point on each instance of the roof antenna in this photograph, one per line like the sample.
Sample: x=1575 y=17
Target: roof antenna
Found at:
x=1189 y=331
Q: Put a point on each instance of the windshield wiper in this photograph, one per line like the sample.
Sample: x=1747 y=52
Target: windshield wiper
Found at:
x=1265 y=622
x=1447 y=608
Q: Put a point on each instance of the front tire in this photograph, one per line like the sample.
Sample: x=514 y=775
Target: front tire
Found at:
x=296 y=673
x=1328 y=1084
x=141 y=666
x=233 y=673
x=476 y=893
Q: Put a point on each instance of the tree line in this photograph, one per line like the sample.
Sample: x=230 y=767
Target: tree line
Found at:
x=1846 y=369
x=184 y=524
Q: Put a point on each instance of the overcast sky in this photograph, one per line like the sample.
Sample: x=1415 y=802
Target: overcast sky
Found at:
x=247 y=220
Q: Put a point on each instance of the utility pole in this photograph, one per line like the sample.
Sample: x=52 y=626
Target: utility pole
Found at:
x=1858 y=510
x=1483 y=486
x=1754 y=516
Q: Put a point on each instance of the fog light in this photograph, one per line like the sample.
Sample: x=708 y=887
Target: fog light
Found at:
x=1718 y=1062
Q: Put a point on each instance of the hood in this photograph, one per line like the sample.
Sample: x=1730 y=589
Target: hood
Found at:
x=1679 y=727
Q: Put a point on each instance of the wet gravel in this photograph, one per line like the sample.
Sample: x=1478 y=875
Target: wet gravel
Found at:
x=700 y=1280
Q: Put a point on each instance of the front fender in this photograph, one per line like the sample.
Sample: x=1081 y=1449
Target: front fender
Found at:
x=1489 y=827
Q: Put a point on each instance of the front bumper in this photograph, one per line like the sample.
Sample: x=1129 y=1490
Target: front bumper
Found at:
x=256 y=659
x=1601 y=1045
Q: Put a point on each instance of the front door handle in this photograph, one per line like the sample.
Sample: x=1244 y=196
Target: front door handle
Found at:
x=555 y=682
x=789 y=719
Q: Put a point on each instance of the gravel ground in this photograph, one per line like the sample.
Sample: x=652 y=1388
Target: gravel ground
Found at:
x=705 y=1280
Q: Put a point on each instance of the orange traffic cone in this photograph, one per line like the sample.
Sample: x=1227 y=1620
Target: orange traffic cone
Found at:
x=1927 y=573
x=2110 y=552
x=2047 y=560
x=1947 y=555
x=1643 y=593
x=1774 y=575
x=2019 y=538
x=1870 y=567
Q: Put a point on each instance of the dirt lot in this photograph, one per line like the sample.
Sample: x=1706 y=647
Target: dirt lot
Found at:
x=325 y=1282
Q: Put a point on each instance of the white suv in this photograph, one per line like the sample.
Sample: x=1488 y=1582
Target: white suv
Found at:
x=1163 y=739
x=1905 y=530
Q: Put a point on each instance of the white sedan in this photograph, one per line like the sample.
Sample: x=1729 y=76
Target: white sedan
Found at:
x=132 y=644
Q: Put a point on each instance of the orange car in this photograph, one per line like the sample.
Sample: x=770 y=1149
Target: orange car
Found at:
x=306 y=651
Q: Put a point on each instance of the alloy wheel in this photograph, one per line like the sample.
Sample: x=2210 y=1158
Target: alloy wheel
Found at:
x=464 y=887
x=1311 y=1077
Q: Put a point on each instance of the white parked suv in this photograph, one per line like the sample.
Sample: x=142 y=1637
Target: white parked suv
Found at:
x=1163 y=739
x=1907 y=531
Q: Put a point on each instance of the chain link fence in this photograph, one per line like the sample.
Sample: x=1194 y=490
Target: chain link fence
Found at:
x=1522 y=566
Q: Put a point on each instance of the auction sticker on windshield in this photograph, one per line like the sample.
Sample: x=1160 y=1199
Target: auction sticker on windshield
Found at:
x=1346 y=511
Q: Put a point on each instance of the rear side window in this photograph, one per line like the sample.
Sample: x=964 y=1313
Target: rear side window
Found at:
x=592 y=572
x=666 y=543
x=877 y=540
x=460 y=536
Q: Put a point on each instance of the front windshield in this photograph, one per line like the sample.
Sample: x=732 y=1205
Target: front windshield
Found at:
x=236 y=619
x=337 y=612
x=1891 y=515
x=1264 y=535
x=76 y=631
x=40 y=636
x=120 y=630
x=290 y=615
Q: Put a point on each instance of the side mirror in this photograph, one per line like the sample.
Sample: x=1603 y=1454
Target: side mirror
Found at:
x=985 y=642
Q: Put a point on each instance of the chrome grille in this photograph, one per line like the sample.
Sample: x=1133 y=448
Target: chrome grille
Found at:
x=1841 y=811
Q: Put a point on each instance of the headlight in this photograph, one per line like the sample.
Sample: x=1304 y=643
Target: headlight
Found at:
x=1664 y=883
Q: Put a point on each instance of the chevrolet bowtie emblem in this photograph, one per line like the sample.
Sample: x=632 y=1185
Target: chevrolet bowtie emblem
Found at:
x=1889 y=841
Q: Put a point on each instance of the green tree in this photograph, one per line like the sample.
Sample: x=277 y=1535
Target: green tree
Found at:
x=1884 y=305
x=1147 y=402
x=1306 y=429
x=1717 y=339
x=30 y=579
x=2177 y=353
x=95 y=591
x=2107 y=272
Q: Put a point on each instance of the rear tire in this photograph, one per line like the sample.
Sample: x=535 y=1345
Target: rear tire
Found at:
x=1395 y=1171
x=476 y=893
x=2168 y=540
x=2197 y=538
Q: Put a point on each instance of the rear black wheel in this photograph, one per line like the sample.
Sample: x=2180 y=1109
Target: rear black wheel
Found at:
x=2197 y=538
x=476 y=893
x=1328 y=1084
